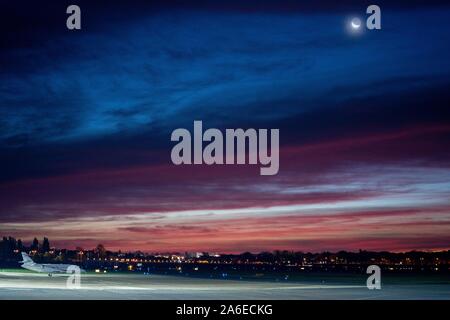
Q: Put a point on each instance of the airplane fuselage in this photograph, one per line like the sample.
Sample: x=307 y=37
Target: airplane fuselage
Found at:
x=46 y=268
x=49 y=268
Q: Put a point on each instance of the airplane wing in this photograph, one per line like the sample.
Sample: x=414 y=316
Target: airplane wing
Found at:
x=54 y=268
x=57 y=267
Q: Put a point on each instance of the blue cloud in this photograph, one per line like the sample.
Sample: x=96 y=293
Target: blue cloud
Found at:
x=225 y=66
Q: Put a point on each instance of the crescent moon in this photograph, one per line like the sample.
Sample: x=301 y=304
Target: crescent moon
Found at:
x=356 y=24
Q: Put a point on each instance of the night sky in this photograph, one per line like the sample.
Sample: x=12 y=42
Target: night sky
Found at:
x=86 y=118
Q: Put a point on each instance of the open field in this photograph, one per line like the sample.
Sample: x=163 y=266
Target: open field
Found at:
x=17 y=284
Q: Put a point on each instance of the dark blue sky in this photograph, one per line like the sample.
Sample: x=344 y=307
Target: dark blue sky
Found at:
x=147 y=69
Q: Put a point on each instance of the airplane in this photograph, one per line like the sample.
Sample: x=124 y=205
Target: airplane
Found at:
x=50 y=268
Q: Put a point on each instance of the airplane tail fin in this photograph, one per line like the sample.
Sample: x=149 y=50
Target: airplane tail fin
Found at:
x=26 y=258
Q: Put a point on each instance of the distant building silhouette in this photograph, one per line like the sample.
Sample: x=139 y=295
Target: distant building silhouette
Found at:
x=45 y=245
x=35 y=244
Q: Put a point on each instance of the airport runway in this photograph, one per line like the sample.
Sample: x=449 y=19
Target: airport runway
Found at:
x=24 y=285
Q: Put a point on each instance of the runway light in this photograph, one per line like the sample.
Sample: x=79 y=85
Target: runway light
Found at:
x=97 y=270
